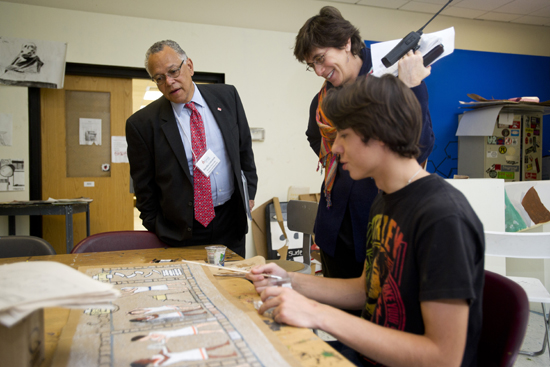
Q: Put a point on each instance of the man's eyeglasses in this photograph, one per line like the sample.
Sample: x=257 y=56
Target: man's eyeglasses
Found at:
x=317 y=61
x=159 y=79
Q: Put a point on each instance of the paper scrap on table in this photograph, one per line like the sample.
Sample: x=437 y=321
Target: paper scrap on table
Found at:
x=29 y=286
x=241 y=265
x=65 y=201
x=428 y=41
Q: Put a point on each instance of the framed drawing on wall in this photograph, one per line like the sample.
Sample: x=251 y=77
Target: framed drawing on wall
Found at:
x=32 y=63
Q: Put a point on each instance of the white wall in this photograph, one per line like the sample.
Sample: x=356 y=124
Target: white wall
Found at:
x=289 y=15
x=14 y=102
x=254 y=53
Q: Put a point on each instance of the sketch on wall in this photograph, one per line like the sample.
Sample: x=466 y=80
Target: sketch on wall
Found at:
x=6 y=129
x=89 y=131
x=32 y=63
x=12 y=175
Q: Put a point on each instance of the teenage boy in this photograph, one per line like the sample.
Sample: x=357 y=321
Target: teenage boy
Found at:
x=420 y=292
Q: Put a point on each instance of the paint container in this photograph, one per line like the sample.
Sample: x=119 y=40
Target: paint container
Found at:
x=216 y=254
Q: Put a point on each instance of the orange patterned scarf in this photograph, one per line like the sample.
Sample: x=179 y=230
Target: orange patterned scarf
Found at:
x=328 y=160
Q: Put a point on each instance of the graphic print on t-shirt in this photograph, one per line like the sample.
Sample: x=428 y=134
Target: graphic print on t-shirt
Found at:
x=384 y=268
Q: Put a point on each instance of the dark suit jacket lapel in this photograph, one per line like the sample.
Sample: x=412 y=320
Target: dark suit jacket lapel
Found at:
x=169 y=126
x=220 y=113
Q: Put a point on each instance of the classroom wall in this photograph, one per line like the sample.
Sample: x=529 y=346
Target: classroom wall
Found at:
x=13 y=102
x=255 y=56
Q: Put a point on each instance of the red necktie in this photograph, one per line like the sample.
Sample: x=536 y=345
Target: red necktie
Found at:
x=204 y=208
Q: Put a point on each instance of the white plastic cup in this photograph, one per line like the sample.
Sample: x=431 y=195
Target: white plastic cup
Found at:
x=216 y=254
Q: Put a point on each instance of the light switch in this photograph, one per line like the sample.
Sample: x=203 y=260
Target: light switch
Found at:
x=257 y=133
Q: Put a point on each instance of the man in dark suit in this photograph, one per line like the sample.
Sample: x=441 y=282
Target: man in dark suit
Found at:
x=168 y=164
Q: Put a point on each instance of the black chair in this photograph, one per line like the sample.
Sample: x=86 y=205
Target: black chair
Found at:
x=301 y=216
x=118 y=241
x=296 y=216
x=505 y=319
x=271 y=218
x=24 y=246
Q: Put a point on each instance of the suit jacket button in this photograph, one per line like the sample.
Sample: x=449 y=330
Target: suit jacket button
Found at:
x=190 y=203
x=188 y=229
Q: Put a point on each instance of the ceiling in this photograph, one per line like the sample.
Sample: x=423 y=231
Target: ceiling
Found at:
x=529 y=12
x=534 y=12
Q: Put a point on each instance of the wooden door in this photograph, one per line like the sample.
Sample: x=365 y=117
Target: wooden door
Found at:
x=73 y=163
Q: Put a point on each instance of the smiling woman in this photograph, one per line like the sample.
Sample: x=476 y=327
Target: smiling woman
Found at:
x=333 y=48
x=335 y=65
x=326 y=42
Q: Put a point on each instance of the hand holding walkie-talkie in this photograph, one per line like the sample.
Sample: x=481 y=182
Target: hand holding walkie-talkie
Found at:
x=410 y=42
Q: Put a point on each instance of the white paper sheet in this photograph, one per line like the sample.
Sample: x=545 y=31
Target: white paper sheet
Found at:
x=119 y=148
x=12 y=174
x=90 y=131
x=480 y=122
x=29 y=286
x=428 y=41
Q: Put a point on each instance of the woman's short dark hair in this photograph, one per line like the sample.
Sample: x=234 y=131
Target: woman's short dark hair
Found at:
x=382 y=108
x=327 y=29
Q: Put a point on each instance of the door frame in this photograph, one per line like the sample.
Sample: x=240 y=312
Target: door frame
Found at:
x=35 y=137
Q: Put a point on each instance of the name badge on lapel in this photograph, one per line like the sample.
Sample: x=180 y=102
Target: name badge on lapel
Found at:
x=207 y=163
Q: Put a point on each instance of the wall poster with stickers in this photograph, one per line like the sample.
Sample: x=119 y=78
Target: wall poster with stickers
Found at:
x=531 y=147
x=511 y=147
x=503 y=157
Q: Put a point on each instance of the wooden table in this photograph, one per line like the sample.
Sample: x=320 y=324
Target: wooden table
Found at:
x=303 y=343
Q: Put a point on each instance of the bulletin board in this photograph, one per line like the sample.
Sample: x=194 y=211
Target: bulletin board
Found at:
x=88 y=131
x=488 y=74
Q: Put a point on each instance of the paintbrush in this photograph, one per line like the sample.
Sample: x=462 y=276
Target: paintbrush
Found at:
x=230 y=269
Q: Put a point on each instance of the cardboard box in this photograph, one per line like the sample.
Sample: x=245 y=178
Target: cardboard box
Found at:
x=516 y=192
x=311 y=197
x=259 y=229
x=23 y=344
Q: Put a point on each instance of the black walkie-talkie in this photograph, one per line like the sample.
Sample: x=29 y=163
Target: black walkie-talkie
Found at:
x=410 y=42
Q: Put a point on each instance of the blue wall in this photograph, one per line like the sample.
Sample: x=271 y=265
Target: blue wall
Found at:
x=488 y=74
